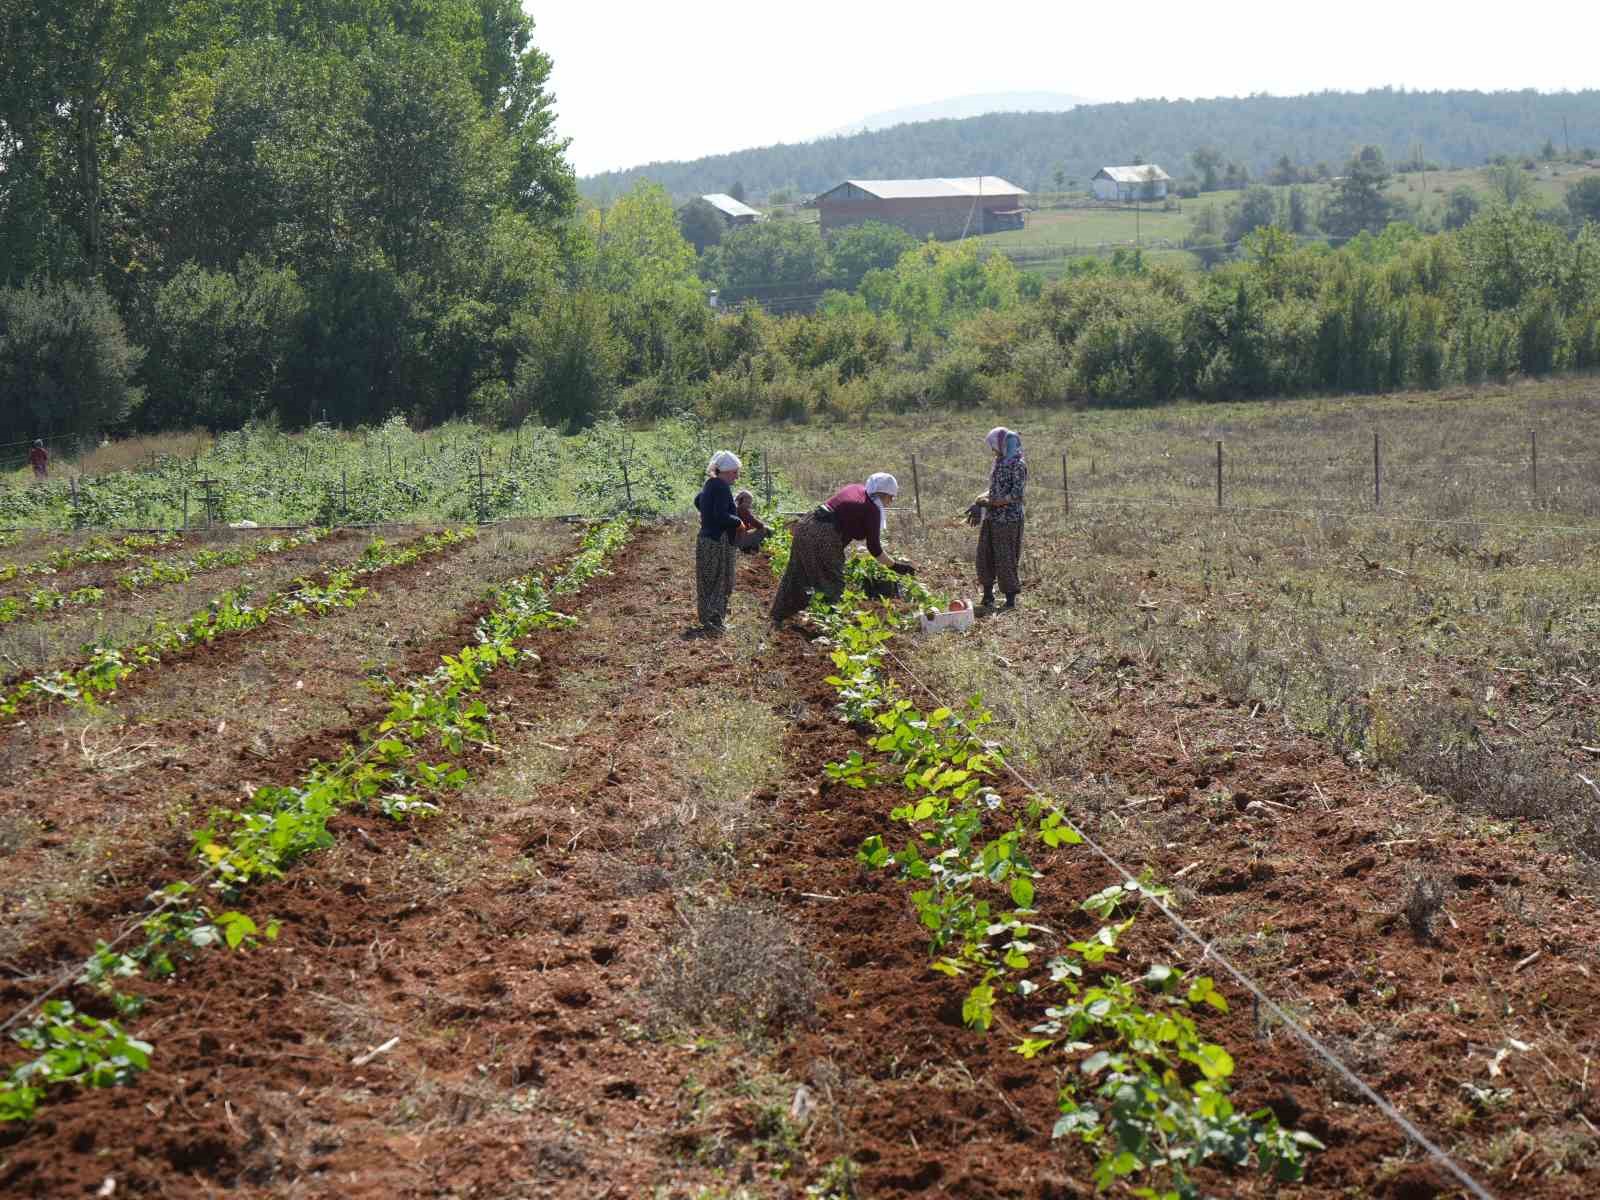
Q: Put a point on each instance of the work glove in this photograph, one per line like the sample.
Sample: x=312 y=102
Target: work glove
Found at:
x=903 y=568
x=973 y=514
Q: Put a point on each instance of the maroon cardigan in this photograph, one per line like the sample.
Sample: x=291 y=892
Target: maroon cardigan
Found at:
x=856 y=517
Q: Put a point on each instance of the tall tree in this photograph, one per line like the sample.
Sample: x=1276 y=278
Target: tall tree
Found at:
x=81 y=80
x=1358 y=202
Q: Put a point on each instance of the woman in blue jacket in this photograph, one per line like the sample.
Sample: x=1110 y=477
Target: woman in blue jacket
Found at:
x=716 y=552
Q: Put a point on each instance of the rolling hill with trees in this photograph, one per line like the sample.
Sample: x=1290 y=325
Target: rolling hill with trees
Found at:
x=1034 y=149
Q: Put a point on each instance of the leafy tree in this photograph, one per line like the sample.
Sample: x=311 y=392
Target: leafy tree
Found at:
x=1583 y=200
x=700 y=224
x=870 y=246
x=1208 y=161
x=1461 y=206
x=1358 y=202
x=80 y=81
x=66 y=365
x=737 y=191
x=1508 y=182
x=1257 y=207
x=570 y=363
x=636 y=245
x=219 y=343
x=1508 y=254
x=1300 y=219
x=769 y=258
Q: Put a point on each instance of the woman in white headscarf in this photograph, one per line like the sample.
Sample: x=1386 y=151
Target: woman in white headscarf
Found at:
x=1001 y=507
x=856 y=512
x=716 y=553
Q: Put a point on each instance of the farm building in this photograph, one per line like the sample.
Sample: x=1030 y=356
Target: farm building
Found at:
x=942 y=208
x=732 y=211
x=1147 y=182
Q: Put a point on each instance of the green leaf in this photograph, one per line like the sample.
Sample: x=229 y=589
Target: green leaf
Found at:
x=1202 y=989
x=1022 y=891
x=1214 y=1062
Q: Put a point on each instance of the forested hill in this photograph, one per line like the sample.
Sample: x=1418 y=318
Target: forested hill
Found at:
x=1449 y=128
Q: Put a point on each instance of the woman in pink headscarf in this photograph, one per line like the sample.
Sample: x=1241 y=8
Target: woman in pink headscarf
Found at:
x=1000 y=530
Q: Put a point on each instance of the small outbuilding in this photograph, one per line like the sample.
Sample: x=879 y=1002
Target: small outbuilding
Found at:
x=941 y=208
x=732 y=211
x=1144 y=182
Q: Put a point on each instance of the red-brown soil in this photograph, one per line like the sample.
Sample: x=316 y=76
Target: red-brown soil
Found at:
x=508 y=944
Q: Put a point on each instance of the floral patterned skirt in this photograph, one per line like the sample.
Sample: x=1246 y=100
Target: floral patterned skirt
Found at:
x=999 y=550
x=816 y=564
x=716 y=564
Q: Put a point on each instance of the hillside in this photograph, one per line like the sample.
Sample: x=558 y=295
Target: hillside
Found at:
x=1451 y=128
x=961 y=107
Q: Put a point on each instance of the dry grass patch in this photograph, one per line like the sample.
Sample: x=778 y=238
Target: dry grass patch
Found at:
x=737 y=967
x=717 y=749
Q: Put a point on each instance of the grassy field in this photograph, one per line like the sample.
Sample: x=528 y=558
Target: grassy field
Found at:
x=1055 y=228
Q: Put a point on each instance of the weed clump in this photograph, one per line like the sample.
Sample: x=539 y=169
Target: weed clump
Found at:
x=1424 y=901
x=1440 y=747
x=738 y=967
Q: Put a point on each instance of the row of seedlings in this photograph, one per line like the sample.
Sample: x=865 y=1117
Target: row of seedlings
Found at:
x=403 y=766
x=1143 y=1089
x=97 y=550
x=155 y=573
x=232 y=613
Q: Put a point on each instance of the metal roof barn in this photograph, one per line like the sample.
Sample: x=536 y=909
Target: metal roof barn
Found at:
x=735 y=212
x=1143 y=182
x=941 y=208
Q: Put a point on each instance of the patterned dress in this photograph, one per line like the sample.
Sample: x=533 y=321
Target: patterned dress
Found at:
x=816 y=563
x=1000 y=535
x=716 y=564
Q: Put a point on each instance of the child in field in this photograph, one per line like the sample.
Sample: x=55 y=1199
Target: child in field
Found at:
x=752 y=529
x=39 y=460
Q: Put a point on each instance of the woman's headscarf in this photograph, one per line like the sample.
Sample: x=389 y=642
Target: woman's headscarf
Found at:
x=1005 y=442
x=882 y=484
x=723 y=460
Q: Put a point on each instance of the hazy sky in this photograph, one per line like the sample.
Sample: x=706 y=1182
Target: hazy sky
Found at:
x=643 y=81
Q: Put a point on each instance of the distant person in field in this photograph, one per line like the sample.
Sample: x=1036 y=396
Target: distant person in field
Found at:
x=39 y=460
x=856 y=512
x=716 y=556
x=998 y=513
x=752 y=529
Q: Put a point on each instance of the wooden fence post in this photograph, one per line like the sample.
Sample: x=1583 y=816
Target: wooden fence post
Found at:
x=1377 y=472
x=1533 y=456
x=1066 y=497
x=916 y=486
x=1219 y=472
x=766 y=472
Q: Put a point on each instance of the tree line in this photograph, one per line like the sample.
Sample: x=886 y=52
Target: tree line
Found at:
x=220 y=211
x=214 y=210
x=1038 y=151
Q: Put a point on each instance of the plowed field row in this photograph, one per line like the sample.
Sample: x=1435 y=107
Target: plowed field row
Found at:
x=638 y=956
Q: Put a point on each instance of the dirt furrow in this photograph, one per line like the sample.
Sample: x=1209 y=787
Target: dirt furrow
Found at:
x=87 y=797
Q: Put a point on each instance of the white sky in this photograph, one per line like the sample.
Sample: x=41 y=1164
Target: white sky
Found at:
x=645 y=80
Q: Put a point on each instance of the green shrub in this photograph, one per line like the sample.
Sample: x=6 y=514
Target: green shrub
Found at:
x=66 y=364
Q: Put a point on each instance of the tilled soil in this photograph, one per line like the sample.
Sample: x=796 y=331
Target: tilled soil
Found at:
x=190 y=732
x=104 y=574
x=510 y=947
x=45 y=641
